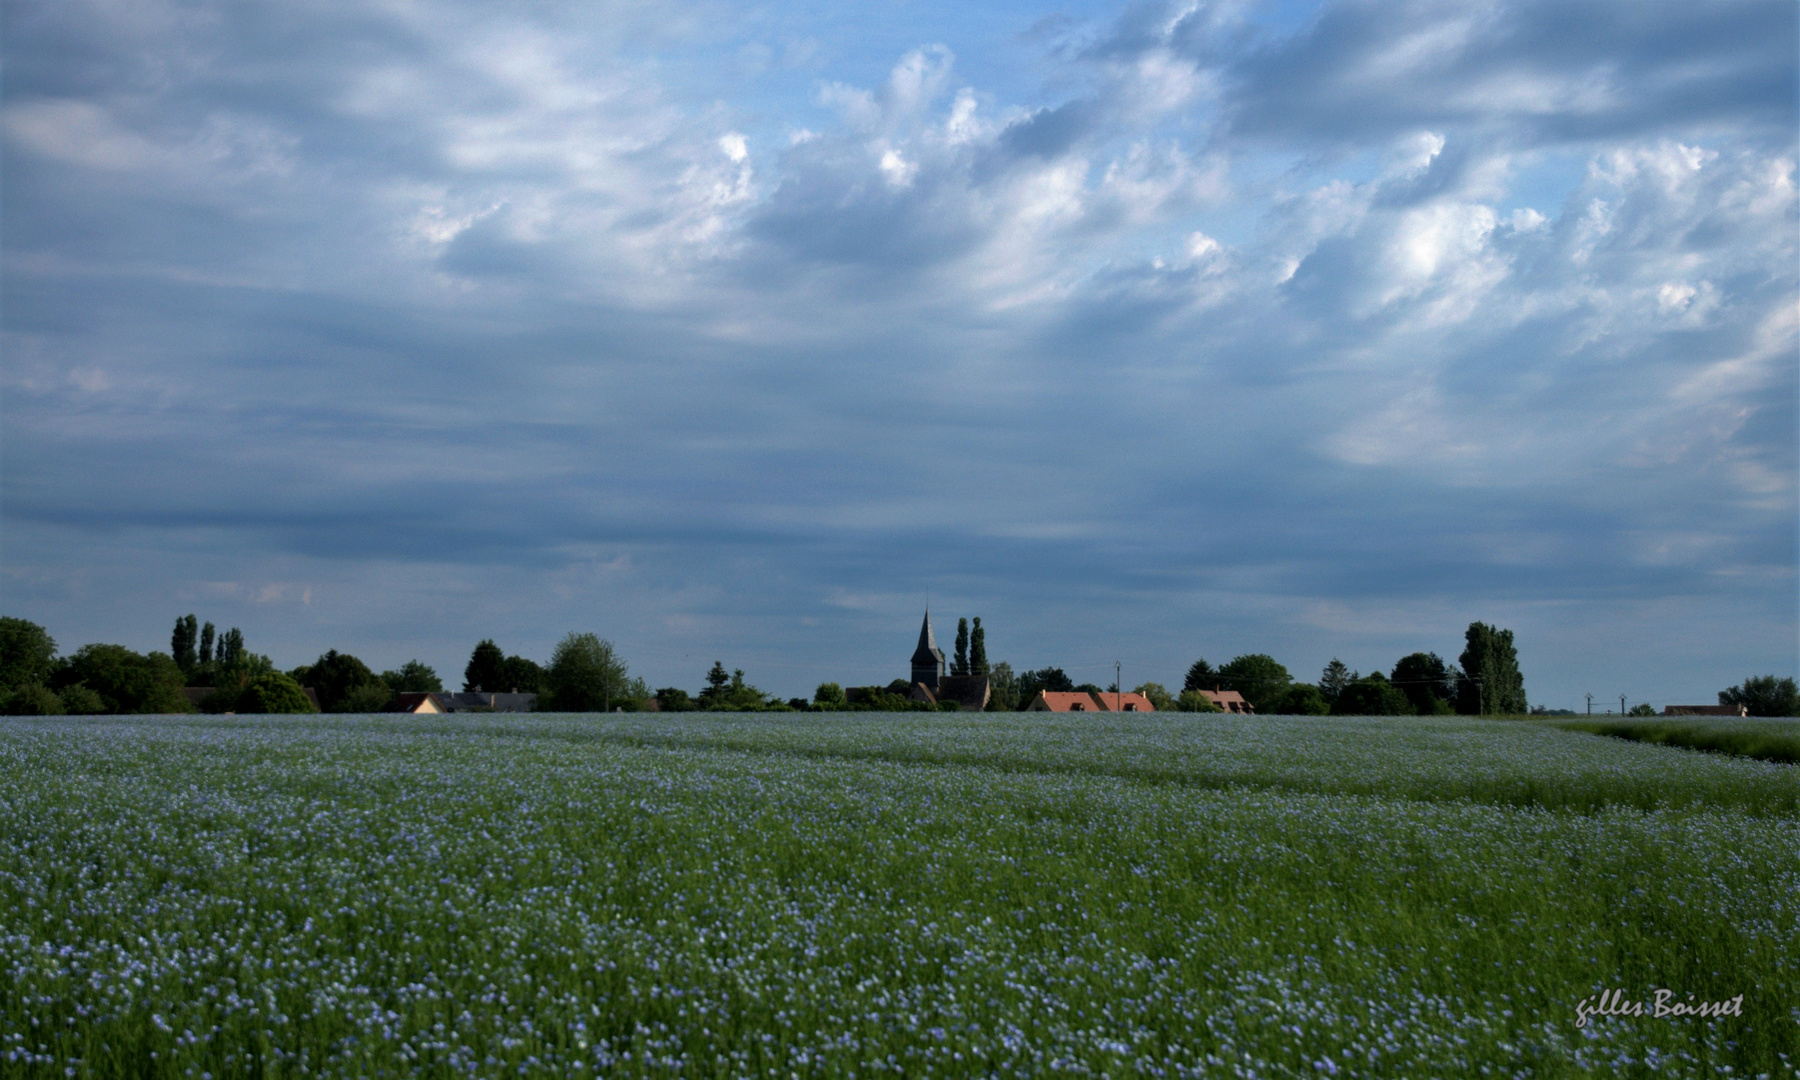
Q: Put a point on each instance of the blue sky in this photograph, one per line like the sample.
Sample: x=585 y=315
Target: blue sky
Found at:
x=1146 y=332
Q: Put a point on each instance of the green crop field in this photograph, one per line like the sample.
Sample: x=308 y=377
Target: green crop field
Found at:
x=886 y=895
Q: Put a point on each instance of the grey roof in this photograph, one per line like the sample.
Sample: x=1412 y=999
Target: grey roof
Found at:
x=927 y=653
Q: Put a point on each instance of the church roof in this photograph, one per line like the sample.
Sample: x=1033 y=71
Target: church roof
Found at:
x=927 y=652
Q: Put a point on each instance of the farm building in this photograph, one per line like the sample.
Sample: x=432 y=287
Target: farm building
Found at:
x=1061 y=701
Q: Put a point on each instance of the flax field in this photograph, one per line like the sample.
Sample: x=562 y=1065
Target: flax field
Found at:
x=875 y=895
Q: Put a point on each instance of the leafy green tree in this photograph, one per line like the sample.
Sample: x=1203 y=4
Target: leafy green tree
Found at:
x=1334 y=678
x=483 y=671
x=517 y=674
x=207 y=634
x=585 y=675
x=229 y=681
x=1052 y=679
x=231 y=648
x=32 y=699
x=413 y=677
x=338 y=677
x=978 y=661
x=1158 y=695
x=1426 y=681
x=182 y=641
x=1372 y=695
x=1490 y=683
x=1642 y=709
x=959 y=660
x=674 y=699
x=78 y=700
x=1003 y=688
x=273 y=692
x=1200 y=676
x=1195 y=701
x=125 y=681
x=1764 y=695
x=27 y=654
x=830 y=696
x=1258 y=677
x=1301 y=699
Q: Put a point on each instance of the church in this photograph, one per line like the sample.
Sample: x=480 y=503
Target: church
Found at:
x=971 y=693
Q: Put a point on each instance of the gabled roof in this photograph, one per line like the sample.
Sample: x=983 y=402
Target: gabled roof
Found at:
x=1062 y=701
x=927 y=653
x=1112 y=701
x=970 y=692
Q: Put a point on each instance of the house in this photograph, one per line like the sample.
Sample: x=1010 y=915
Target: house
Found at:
x=1705 y=710
x=414 y=701
x=970 y=692
x=1111 y=701
x=1058 y=701
x=1227 y=700
x=467 y=701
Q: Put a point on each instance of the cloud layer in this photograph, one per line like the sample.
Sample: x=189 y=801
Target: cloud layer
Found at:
x=389 y=327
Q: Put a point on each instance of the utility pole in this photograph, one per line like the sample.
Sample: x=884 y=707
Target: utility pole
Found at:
x=1118 y=688
x=1590 y=698
x=1621 y=704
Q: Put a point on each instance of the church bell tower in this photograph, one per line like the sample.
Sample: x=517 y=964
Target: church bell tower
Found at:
x=928 y=659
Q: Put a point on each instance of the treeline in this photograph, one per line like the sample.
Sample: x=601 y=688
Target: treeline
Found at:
x=585 y=674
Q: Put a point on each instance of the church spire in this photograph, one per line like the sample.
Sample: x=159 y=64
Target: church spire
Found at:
x=927 y=659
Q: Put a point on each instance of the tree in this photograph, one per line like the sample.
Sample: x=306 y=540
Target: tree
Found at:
x=1051 y=679
x=1372 y=695
x=585 y=675
x=959 y=662
x=830 y=695
x=32 y=699
x=1425 y=680
x=717 y=680
x=1301 y=699
x=1257 y=676
x=413 y=677
x=207 y=633
x=978 y=661
x=1199 y=676
x=1158 y=695
x=1764 y=695
x=483 y=671
x=231 y=647
x=125 y=681
x=27 y=654
x=1641 y=709
x=1334 y=678
x=273 y=692
x=182 y=641
x=1491 y=683
x=78 y=700
x=674 y=699
x=1003 y=687
x=338 y=677
x=517 y=674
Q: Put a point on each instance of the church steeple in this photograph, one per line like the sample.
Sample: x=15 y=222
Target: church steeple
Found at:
x=927 y=659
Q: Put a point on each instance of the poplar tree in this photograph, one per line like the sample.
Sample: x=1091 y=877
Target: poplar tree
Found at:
x=960 y=664
x=1491 y=683
x=181 y=642
x=978 y=661
x=206 y=643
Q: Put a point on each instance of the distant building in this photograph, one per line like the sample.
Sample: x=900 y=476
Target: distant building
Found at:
x=467 y=701
x=928 y=659
x=970 y=692
x=1112 y=701
x=1227 y=700
x=1060 y=701
x=1705 y=710
x=414 y=701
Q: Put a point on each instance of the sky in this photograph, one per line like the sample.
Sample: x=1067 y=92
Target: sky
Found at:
x=1147 y=332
